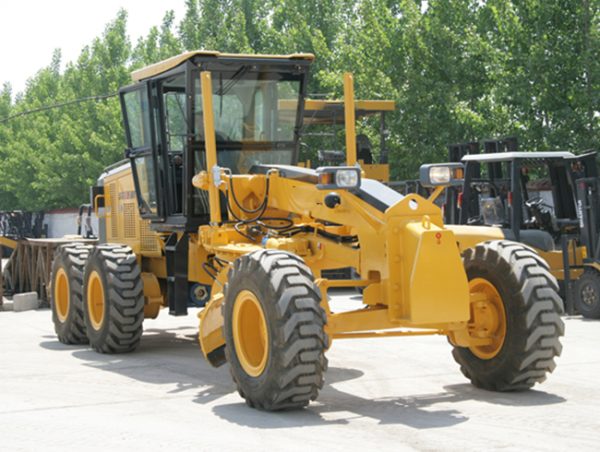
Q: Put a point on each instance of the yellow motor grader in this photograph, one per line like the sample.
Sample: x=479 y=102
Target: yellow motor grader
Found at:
x=210 y=210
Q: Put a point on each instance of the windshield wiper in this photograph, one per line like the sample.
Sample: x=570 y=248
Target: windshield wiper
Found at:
x=233 y=81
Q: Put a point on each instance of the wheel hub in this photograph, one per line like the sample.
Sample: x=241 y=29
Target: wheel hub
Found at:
x=488 y=318
x=95 y=300
x=62 y=297
x=589 y=295
x=250 y=334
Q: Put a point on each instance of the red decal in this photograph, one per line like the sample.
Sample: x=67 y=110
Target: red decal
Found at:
x=438 y=236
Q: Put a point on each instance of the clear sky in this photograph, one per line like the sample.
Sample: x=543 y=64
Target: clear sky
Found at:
x=30 y=30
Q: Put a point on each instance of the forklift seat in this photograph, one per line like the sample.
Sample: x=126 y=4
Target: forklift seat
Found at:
x=535 y=238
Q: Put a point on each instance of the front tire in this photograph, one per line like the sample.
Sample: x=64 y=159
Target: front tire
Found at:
x=587 y=294
x=113 y=299
x=518 y=307
x=274 y=330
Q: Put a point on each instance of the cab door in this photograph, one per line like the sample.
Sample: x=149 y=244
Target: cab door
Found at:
x=142 y=149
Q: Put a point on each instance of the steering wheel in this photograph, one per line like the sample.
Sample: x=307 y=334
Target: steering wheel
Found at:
x=541 y=214
x=536 y=202
x=481 y=185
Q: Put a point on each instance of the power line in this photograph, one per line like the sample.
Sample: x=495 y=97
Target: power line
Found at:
x=59 y=105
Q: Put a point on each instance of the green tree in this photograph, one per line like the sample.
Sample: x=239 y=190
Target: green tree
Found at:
x=160 y=43
x=56 y=154
x=458 y=70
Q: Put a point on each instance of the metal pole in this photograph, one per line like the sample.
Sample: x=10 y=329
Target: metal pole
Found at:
x=211 y=148
x=569 y=307
x=350 y=118
x=516 y=207
x=383 y=157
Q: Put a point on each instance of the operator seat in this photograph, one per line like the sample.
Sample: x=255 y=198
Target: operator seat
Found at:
x=364 y=149
x=541 y=240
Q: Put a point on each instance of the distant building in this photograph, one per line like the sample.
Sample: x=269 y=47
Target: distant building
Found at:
x=61 y=222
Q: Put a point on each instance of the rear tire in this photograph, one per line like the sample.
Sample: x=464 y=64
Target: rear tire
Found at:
x=113 y=299
x=67 y=292
x=532 y=308
x=587 y=294
x=274 y=330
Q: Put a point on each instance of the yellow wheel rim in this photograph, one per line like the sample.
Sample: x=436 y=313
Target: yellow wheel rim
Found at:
x=250 y=334
x=95 y=300
x=62 y=297
x=488 y=318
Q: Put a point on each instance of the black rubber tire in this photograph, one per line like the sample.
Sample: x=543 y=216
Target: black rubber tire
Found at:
x=71 y=258
x=121 y=328
x=290 y=300
x=533 y=325
x=587 y=294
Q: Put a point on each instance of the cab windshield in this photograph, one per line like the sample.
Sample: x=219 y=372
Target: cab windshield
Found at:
x=255 y=116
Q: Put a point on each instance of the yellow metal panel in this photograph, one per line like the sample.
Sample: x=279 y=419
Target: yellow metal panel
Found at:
x=123 y=222
x=361 y=320
x=426 y=282
x=326 y=254
x=469 y=236
x=156 y=266
x=367 y=105
x=377 y=319
x=377 y=171
x=375 y=106
x=555 y=261
x=381 y=334
x=331 y=112
x=211 y=326
x=153 y=298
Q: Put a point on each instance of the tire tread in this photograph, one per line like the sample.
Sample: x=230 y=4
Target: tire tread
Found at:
x=538 y=308
x=125 y=314
x=73 y=257
x=300 y=341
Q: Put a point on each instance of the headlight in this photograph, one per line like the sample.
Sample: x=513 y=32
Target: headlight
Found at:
x=434 y=175
x=343 y=177
x=439 y=175
x=346 y=178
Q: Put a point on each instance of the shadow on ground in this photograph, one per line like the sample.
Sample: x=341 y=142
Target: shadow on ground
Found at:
x=417 y=411
x=170 y=357
x=164 y=357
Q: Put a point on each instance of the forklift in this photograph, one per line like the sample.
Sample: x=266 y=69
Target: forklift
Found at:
x=546 y=200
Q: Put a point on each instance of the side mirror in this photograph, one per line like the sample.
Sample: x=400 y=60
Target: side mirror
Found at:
x=441 y=174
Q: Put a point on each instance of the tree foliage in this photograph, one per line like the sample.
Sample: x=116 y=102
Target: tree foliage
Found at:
x=459 y=70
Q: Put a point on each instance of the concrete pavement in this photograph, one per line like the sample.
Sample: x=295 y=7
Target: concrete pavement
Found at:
x=380 y=394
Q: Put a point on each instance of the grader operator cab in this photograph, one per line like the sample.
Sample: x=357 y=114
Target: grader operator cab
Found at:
x=211 y=210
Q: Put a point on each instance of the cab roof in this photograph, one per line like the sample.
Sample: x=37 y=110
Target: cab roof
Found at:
x=170 y=63
x=331 y=112
x=509 y=156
